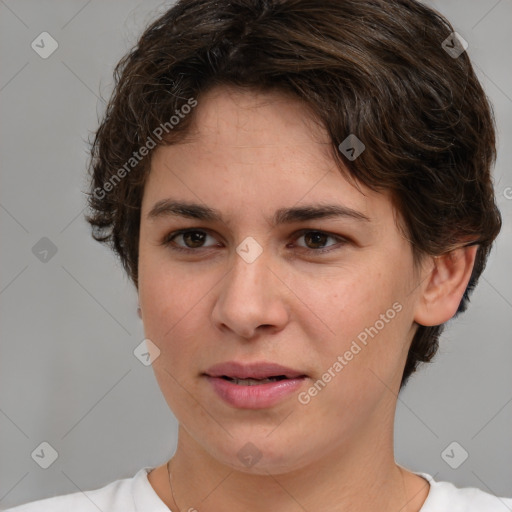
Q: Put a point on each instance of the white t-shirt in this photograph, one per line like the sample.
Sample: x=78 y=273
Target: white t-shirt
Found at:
x=137 y=495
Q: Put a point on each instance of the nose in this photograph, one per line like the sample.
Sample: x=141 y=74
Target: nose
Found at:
x=252 y=298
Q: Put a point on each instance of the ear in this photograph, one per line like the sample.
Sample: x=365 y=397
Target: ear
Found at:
x=442 y=289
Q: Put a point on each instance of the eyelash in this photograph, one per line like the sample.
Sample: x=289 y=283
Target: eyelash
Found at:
x=169 y=239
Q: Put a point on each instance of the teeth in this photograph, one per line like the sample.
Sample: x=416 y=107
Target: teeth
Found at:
x=254 y=382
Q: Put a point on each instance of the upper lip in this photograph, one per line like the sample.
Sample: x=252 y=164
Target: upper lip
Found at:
x=259 y=370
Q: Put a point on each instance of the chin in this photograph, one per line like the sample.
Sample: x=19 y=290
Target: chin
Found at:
x=260 y=455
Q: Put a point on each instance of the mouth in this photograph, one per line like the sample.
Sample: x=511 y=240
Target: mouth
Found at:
x=253 y=373
x=253 y=382
x=253 y=386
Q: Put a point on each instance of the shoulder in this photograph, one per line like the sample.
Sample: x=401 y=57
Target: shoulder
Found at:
x=124 y=495
x=445 y=497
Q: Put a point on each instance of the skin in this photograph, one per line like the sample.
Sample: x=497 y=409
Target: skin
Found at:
x=247 y=155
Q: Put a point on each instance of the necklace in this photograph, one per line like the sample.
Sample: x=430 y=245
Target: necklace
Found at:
x=170 y=484
x=405 y=506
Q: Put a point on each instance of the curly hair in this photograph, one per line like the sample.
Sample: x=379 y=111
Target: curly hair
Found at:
x=379 y=69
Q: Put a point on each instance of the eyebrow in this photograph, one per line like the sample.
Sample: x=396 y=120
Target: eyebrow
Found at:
x=171 y=208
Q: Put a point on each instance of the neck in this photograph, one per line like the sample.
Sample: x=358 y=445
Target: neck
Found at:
x=362 y=475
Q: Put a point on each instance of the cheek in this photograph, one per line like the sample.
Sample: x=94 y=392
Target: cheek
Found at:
x=176 y=308
x=360 y=363
x=166 y=294
x=362 y=318
x=170 y=307
x=341 y=303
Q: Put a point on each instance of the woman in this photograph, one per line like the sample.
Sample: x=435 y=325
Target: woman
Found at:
x=302 y=199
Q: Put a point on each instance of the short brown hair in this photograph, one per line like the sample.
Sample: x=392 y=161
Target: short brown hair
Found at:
x=373 y=68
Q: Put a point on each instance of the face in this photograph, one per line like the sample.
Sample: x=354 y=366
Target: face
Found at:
x=277 y=259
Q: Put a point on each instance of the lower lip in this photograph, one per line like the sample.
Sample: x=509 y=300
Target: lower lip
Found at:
x=259 y=396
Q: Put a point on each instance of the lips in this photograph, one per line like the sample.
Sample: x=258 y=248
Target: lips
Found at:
x=256 y=371
x=253 y=386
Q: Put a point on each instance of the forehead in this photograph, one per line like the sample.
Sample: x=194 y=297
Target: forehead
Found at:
x=247 y=150
x=224 y=111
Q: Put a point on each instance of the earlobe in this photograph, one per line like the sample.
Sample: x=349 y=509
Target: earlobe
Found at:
x=444 y=286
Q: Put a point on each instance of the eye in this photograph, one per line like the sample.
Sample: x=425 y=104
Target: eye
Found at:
x=315 y=241
x=192 y=239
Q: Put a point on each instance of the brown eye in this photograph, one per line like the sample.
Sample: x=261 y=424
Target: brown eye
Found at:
x=316 y=240
x=194 y=239
x=190 y=239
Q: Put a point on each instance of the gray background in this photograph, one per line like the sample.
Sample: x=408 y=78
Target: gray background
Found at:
x=68 y=375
